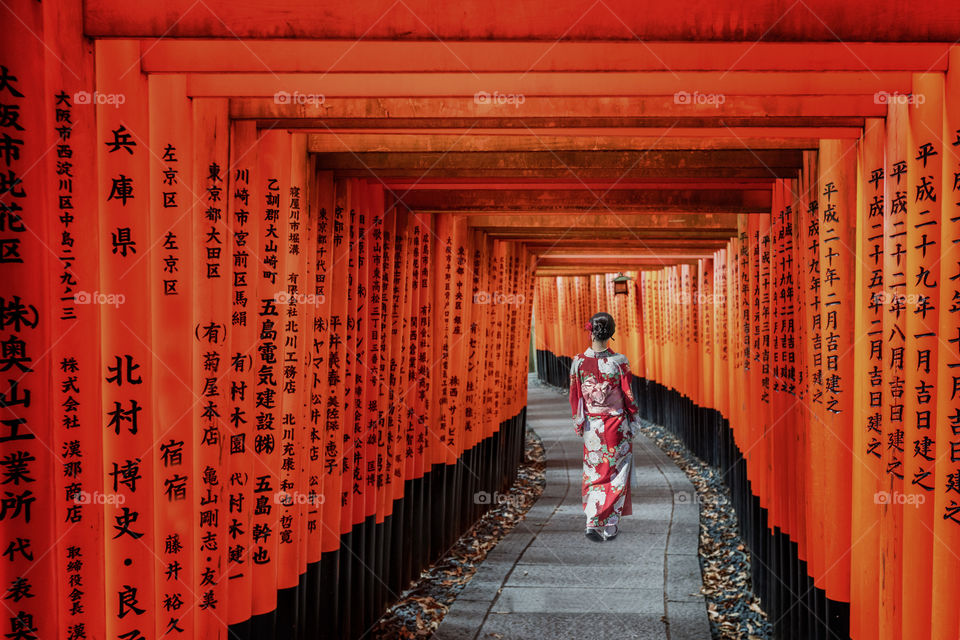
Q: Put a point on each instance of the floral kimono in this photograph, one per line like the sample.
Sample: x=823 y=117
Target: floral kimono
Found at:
x=606 y=415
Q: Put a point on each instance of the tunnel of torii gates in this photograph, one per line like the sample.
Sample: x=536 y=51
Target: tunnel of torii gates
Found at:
x=270 y=274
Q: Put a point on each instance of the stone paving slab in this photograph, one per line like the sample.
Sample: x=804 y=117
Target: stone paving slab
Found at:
x=546 y=580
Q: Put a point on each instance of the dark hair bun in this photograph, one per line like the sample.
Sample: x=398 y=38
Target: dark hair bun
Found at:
x=603 y=326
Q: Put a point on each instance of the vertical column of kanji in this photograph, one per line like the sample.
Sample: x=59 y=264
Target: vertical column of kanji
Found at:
x=419 y=382
x=726 y=324
x=561 y=303
x=705 y=308
x=539 y=343
x=616 y=309
x=380 y=266
x=442 y=285
x=679 y=302
x=721 y=344
x=211 y=144
x=368 y=385
x=508 y=362
x=687 y=322
x=390 y=465
x=742 y=370
x=578 y=315
x=477 y=337
x=427 y=431
x=868 y=383
x=320 y=193
x=575 y=331
x=308 y=436
x=664 y=284
x=273 y=173
x=752 y=424
x=596 y=290
x=675 y=327
x=459 y=339
x=506 y=330
x=655 y=306
x=813 y=356
x=642 y=305
x=352 y=400
x=782 y=359
x=124 y=187
x=171 y=261
x=413 y=448
x=808 y=313
x=75 y=448
x=779 y=416
x=945 y=615
x=787 y=333
x=244 y=258
x=388 y=511
x=303 y=173
x=396 y=407
x=894 y=283
x=922 y=305
x=495 y=344
x=665 y=277
x=351 y=578
x=333 y=371
x=801 y=378
x=735 y=323
x=515 y=301
x=647 y=322
x=292 y=300
x=668 y=293
x=838 y=171
x=693 y=375
x=635 y=303
x=28 y=453
x=761 y=359
x=654 y=309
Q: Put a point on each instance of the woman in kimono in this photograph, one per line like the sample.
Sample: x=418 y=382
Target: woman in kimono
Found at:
x=606 y=416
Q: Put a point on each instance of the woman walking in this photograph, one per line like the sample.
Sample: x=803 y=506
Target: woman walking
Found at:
x=606 y=416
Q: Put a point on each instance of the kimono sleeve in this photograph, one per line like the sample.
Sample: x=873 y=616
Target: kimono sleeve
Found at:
x=576 y=397
x=629 y=402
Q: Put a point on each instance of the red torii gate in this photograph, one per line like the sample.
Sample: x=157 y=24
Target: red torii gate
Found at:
x=323 y=201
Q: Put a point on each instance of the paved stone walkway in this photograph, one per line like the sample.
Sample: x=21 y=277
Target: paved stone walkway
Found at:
x=546 y=580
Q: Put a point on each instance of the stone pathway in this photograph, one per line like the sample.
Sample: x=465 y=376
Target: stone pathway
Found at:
x=546 y=580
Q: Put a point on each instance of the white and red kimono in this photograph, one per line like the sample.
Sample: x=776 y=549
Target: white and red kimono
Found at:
x=605 y=414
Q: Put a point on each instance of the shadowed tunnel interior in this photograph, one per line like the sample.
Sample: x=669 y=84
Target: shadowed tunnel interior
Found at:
x=271 y=273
